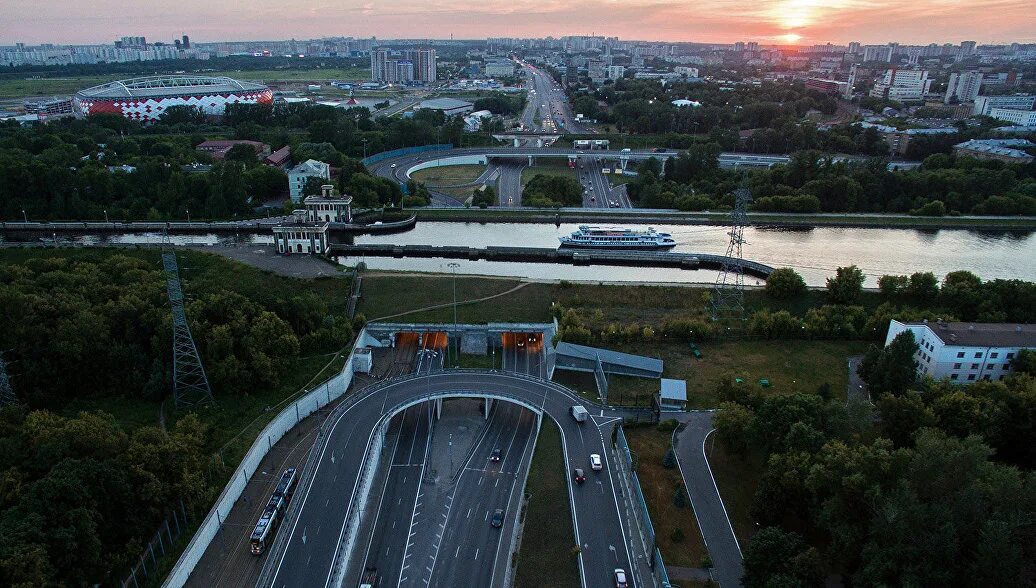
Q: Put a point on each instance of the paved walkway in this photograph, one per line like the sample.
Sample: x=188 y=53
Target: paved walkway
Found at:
x=689 y=442
x=264 y=257
x=856 y=389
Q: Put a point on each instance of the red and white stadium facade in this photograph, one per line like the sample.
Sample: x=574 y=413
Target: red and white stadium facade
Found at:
x=145 y=99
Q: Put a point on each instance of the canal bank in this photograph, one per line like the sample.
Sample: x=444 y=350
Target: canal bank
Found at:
x=779 y=220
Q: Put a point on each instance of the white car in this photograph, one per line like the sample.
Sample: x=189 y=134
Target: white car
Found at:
x=620 y=578
x=393 y=166
x=595 y=462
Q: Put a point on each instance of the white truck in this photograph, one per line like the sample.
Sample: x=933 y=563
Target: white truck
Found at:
x=579 y=413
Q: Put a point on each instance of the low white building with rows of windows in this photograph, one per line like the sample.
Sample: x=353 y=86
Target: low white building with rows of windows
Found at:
x=966 y=352
x=301 y=234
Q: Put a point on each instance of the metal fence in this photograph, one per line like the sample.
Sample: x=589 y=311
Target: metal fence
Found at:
x=601 y=378
x=405 y=151
x=156 y=548
x=643 y=516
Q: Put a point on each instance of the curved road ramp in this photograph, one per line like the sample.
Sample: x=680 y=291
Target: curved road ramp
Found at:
x=325 y=527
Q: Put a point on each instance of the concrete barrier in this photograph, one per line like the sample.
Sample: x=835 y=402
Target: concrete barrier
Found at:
x=306 y=405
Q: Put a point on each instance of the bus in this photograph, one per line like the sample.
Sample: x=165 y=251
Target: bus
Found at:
x=274 y=511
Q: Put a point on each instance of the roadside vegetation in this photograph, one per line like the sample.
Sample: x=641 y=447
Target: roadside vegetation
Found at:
x=676 y=528
x=548 y=554
x=87 y=342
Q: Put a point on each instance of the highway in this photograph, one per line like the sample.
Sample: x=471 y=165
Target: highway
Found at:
x=548 y=109
x=312 y=538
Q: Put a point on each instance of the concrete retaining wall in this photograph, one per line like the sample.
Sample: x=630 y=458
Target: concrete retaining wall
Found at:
x=459 y=160
x=306 y=405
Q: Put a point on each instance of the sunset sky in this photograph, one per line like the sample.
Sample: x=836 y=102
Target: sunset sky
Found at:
x=720 y=21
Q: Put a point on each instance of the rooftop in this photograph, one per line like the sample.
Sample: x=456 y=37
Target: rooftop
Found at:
x=168 y=85
x=977 y=146
x=674 y=390
x=445 y=104
x=983 y=334
x=310 y=166
x=628 y=360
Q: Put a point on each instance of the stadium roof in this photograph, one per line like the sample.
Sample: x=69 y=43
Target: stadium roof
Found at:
x=154 y=86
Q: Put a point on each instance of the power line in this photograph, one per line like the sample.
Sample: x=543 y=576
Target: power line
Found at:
x=190 y=384
x=728 y=294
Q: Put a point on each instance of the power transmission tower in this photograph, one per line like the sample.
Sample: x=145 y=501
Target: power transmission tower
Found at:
x=6 y=390
x=728 y=294
x=190 y=384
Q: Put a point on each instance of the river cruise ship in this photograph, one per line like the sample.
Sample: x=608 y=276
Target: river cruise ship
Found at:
x=617 y=238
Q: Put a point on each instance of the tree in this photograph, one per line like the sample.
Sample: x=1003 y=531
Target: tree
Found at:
x=734 y=424
x=1025 y=362
x=893 y=286
x=902 y=416
x=785 y=283
x=846 y=286
x=312 y=186
x=923 y=287
x=775 y=557
x=243 y=153
x=265 y=182
x=892 y=368
x=669 y=460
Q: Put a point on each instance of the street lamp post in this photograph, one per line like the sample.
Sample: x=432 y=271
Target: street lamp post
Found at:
x=188 y=215
x=453 y=269
x=106 y=216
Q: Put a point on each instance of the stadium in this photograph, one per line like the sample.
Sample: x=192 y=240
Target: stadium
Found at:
x=145 y=99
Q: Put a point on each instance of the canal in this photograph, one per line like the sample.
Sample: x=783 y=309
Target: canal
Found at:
x=814 y=253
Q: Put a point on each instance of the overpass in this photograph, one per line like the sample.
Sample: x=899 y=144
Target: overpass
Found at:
x=322 y=525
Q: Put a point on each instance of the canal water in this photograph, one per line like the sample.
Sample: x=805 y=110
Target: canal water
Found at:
x=814 y=253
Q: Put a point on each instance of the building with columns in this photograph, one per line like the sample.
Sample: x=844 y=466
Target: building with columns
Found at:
x=299 y=235
x=328 y=207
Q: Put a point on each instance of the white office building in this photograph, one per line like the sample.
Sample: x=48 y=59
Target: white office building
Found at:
x=966 y=352
x=903 y=85
x=985 y=104
x=963 y=87
x=1021 y=118
x=298 y=175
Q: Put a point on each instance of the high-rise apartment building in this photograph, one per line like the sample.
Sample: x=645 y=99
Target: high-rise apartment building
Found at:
x=407 y=66
x=963 y=87
x=881 y=53
x=854 y=47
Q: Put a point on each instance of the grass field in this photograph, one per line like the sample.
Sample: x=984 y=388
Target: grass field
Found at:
x=547 y=556
x=387 y=294
x=15 y=88
x=789 y=365
x=557 y=169
x=448 y=175
x=658 y=484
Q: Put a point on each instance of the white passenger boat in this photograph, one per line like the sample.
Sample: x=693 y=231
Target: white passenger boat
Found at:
x=617 y=238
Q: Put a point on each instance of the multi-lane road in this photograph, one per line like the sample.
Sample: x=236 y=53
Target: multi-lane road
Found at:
x=547 y=109
x=316 y=532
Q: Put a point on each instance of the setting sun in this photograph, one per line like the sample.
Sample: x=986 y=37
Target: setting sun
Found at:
x=790 y=38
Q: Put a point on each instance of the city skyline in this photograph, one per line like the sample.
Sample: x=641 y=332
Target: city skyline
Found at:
x=790 y=22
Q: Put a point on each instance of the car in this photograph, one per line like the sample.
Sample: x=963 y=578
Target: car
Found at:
x=495 y=456
x=595 y=462
x=591 y=187
x=498 y=519
x=620 y=578
x=521 y=343
x=593 y=199
x=578 y=475
x=393 y=166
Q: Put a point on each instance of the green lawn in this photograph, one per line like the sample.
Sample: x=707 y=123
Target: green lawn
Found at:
x=789 y=365
x=549 y=168
x=448 y=175
x=658 y=485
x=547 y=556
x=386 y=294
